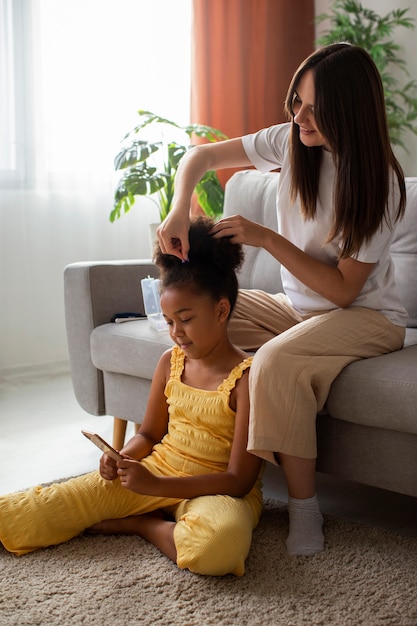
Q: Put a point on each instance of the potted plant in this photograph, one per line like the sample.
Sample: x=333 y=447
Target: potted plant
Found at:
x=351 y=22
x=149 y=159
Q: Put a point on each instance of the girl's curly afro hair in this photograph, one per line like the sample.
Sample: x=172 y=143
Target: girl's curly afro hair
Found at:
x=212 y=263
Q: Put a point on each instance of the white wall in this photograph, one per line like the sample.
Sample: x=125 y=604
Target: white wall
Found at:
x=41 y=233
x=85 y=100
x=39 y=236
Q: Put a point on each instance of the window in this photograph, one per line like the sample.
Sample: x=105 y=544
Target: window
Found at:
x=14 y=128
x=73 y=74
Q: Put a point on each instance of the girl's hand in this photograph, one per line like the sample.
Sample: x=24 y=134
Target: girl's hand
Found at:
x=240 y=230
x=135 y=477
x=173 y=235
x=108 y=468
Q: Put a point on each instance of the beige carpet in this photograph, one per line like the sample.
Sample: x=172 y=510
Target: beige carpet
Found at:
x=365 y=576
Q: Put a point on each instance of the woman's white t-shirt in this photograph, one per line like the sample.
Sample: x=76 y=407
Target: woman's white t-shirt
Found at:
x=268 y=150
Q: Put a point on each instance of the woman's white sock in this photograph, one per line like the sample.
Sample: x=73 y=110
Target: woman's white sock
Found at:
x=306 y=522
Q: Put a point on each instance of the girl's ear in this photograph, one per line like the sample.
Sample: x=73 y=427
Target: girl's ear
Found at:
x=223 y=307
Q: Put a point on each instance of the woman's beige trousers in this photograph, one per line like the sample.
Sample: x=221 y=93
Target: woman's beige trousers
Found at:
x=298 y=359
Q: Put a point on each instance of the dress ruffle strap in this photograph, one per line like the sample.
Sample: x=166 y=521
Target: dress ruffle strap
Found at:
x=177 y=363
x=230 y=382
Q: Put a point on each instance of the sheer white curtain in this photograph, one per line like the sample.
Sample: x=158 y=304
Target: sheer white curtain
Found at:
x=98 y=62
x=82 y=69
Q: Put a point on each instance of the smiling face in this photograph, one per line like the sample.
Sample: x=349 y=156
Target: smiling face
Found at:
x=303 y=110
x=196 y=322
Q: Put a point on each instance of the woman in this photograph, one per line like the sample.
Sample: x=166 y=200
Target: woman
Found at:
x=340 y=192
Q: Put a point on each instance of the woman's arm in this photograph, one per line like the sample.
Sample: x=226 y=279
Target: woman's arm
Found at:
x=173 y=232
x=341 y=284
x=237 y=480
x=154 y=425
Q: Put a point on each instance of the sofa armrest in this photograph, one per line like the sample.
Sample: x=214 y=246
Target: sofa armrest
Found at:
x=93 y=293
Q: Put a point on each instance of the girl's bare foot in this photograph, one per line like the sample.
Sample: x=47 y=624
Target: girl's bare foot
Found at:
x=155 y=527
x=124 y=526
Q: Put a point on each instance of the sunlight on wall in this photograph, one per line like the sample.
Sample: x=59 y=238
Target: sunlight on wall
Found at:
x=100 y=61
x=95 y=62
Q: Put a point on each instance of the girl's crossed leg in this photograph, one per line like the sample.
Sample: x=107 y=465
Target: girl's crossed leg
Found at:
x=208 y=535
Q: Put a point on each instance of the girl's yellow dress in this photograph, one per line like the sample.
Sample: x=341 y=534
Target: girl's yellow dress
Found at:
x=212 y=534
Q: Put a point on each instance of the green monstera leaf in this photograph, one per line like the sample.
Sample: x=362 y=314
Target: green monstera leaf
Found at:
x=149 y=166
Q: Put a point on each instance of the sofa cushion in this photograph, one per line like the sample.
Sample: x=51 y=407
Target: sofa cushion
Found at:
x=404 y=253
x=410 y=337
x=367 y=392
x=253 y=195
x=132 y=348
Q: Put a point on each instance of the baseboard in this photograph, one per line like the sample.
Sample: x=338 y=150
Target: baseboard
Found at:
x=38 y=372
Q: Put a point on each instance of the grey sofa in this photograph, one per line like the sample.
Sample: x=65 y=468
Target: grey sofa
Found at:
x=368 y=431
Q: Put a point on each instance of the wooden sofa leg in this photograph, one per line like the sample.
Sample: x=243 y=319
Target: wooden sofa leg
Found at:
x=119 y=432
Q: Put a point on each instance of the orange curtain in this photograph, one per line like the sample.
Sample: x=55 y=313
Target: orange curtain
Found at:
x=244 y=55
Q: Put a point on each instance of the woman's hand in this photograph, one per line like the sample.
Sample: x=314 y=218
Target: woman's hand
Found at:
x=240 y=230
x=108 y=468
x=173 y=232
x=135 y=477
x=173 y=235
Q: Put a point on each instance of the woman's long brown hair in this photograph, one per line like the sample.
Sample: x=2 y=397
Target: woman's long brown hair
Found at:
x=349 y=111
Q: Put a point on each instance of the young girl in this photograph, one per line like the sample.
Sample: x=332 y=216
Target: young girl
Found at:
x=187 y=483
x=340 y=193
